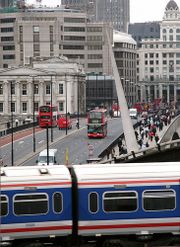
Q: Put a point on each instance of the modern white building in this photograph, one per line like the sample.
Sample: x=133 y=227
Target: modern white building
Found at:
x=158 y=63
x=21 y=87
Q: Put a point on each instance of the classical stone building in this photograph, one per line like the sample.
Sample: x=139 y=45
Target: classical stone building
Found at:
x=158 y=63
x=21 y=87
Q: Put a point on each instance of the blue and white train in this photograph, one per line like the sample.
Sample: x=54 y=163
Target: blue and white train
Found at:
x=105 y=203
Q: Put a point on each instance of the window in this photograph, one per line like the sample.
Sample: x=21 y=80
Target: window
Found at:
x=48 y=89
x=61 y=106
x=13 y=107
x=12 y=88
x=57 y=202
x=3 y=205
x=93 y=202
x=24 y=107
x=10 y=56
x=7 y=38
x=29 y=204
x=156 y=200
x=60 y=88
x=8 y=47
x=122 y=201
x=6 y=29
x=35 y=29
x=36 y=106
x=24 y=89
x=1 y=107
x=1 y=88
x=36 y=88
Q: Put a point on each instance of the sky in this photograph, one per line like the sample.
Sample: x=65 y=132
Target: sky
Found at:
x=140 y=10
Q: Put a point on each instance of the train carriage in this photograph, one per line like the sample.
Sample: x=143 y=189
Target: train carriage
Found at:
x=101 y=202
x=35 y=202
x=128 y=199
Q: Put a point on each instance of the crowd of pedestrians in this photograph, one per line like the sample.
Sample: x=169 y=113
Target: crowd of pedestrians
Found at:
x=150 y=127
x=147 y=133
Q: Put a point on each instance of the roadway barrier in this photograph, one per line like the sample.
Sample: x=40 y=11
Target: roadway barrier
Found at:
x=8 y=131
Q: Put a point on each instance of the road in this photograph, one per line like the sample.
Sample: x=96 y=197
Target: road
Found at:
x=76 y=142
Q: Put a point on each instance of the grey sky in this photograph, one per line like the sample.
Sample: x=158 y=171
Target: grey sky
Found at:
x=140 y=10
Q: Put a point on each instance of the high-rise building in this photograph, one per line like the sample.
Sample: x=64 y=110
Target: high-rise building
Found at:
x=42 y=33
x=88 y=6
x=115 y=11
x=6 y=3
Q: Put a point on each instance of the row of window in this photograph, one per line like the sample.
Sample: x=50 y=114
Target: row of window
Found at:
x=118 y=201
x=164 y=55
x=24 y=106
x=165 y=45
x=24 y=90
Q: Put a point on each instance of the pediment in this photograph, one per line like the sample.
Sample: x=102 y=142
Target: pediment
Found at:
x=23 y=71
x=44 y=60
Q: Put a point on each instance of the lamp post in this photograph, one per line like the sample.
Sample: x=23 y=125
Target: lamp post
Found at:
x=51 y=114
x=34 y=137
x=12 y=130
x=66 y=103
x=78 y=100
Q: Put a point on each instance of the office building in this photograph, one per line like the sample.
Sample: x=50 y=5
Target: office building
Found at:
x=52 y=32
x=158 y=63
x=7 y=3
x=144 y=30
x=116 y=12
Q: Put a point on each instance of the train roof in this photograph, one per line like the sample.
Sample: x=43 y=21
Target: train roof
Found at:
x=34 y=173
x=126 y=171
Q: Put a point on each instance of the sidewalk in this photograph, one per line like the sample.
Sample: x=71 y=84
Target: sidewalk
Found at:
x=115 y=150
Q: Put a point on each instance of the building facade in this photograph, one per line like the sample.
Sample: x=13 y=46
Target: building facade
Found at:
x=116 y=12
x=125 y=54
x=54 y=32
x=144 y=30
x=158 y=64
x=23 y=87
x=7 y=3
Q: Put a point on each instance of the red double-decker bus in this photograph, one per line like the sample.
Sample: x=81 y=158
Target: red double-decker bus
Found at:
x=97 y=123
x=48 y=116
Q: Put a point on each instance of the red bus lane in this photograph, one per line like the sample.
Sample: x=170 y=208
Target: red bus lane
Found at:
x=18 y=135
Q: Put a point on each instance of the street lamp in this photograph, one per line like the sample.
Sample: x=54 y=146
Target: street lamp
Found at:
x=78 y=100
x=51 y=106
x=66 y=102
x=12 y=130
x=34 y=138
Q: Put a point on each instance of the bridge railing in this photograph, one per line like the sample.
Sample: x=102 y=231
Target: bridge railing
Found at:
x=142 y=152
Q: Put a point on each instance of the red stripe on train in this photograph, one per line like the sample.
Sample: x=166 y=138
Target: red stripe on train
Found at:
x=36 y=229
x=34 y=184
x=103 y=227
x=131 y=182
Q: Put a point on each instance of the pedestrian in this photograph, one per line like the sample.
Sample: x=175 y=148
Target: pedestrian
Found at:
x=77 y=124
x=156 y=138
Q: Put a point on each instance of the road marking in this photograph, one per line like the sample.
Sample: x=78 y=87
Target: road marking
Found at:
x=21 y=142
x=41 y=141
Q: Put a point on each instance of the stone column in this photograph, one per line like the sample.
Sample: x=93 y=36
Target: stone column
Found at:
x=41 y=92
x=18 y=98
x=160 y=91
x=30 y=98
x=175 y=93
x=6 y=92
x=167 y=88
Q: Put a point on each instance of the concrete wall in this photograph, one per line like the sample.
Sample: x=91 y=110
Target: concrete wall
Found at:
x=173 y=131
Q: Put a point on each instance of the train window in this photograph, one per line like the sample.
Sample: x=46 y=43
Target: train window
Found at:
x=57 y=202
x=93 y=202
x=3 y=205
x=156 y=200
x=29 y=204
x=122 y=201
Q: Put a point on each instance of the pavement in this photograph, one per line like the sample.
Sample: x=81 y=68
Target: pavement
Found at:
x=152 y=144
